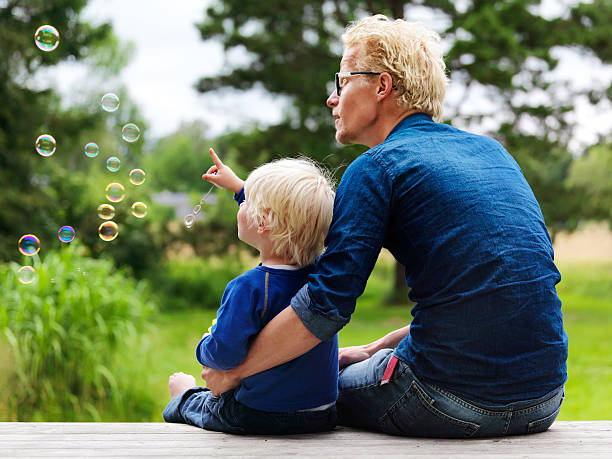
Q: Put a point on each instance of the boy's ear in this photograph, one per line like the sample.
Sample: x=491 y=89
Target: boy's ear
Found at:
x=263 y=226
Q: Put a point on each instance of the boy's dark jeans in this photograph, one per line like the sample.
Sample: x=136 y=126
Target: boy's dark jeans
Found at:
x=199 y=407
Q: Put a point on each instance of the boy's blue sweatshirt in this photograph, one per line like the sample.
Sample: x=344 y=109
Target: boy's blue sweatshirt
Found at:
x=249 y=302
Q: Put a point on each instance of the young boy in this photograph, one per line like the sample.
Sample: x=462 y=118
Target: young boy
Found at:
x=285 y=212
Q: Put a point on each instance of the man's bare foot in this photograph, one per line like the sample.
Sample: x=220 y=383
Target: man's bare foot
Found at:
x=179 y=383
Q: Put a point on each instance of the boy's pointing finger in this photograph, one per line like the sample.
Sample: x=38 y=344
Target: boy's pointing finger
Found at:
x=215 y=158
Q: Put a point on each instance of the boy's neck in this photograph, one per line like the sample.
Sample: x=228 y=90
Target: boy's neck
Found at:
x=268 y=259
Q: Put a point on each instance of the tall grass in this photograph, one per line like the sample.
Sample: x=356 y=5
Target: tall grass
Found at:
x=194 y=283
x=63 y=332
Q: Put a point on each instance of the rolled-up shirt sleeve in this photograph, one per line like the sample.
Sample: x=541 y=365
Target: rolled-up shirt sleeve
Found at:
x=355 y=238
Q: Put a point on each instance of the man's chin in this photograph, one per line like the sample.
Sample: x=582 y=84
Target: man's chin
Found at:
x=342 y=138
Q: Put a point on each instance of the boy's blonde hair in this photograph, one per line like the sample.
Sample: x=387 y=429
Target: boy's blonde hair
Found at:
x=410 y=53
x=294 y=198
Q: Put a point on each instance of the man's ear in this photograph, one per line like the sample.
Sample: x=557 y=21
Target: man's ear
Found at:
x=385 y=85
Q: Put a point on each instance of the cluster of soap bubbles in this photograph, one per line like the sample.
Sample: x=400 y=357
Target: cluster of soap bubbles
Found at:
x=47 y=39
x=29 y=245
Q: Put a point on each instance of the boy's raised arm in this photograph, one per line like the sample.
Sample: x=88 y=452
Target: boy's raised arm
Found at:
x=222 y=175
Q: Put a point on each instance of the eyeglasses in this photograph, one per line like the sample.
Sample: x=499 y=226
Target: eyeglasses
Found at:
x=348 y=74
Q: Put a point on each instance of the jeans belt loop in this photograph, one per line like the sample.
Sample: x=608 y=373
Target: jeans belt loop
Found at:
x=389 y=370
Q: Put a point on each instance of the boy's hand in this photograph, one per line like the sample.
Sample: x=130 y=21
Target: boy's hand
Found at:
x=222 y=175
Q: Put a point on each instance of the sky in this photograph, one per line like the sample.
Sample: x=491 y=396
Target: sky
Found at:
x=169 y=58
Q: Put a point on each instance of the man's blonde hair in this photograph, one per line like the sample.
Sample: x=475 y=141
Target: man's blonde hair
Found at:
x=410 y=53
x=294 y=198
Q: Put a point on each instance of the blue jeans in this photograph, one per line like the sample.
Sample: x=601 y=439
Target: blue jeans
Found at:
x=411 y=407
x=199 y=407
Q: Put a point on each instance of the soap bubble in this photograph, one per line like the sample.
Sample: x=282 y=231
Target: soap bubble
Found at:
x=92 y=149
x=137 y=176
x=130 y=132
x=113 y=164
x=66 y=234
x=45 y=145
x=108 y=231
x=110 y=102
x=29 y=245
x=139 y=209
x=189 y=219
x=115 y=192
x=106 y=211
x=46 y=38
x=26 y=274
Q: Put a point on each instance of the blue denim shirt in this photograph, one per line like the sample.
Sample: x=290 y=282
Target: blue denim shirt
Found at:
x=456 y=211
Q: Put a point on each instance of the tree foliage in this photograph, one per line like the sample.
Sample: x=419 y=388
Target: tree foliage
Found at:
x=40 y=194
x=503 y=49
x=501 y=52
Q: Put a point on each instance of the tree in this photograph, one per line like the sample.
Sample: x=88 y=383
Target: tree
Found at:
x=503 y=48
x=40 y=194
x=26 y=113
x=590 y=177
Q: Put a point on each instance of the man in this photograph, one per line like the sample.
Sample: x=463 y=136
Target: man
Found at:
x=485 y=354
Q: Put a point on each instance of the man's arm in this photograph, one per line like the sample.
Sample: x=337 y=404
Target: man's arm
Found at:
x=325 y=305
x=284 y=338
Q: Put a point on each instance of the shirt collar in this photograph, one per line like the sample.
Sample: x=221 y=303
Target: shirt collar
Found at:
x=411 y=120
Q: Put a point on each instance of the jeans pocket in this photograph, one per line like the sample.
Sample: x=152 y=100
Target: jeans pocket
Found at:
x=415 y=414
x=540 y=425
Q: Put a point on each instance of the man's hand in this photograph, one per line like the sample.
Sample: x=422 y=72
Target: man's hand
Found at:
x=219 y=381
x=222 y=175
x=352 y=354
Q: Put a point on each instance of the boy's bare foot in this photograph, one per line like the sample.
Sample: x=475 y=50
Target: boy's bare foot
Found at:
x=179 y=383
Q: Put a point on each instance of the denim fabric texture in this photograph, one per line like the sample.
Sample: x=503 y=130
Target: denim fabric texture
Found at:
x=410 y=406
x=199 y=407
x=456 y=211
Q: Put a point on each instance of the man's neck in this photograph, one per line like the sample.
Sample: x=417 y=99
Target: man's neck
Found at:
x=386 y=123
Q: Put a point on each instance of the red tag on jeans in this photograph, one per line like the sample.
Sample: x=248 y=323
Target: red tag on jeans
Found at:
x=389 y=370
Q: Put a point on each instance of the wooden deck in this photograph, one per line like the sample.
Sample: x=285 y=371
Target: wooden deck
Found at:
x=86 y=440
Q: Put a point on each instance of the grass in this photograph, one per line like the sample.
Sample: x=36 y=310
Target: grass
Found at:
x=167 y=345
x=586 y=291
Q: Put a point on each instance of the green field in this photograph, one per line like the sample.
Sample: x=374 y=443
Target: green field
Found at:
x=586 y=291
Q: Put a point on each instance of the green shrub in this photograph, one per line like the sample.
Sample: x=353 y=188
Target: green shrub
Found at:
x=64 y=331
x=196 y=282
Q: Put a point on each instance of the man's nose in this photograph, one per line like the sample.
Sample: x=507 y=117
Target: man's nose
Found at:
x=332 y=100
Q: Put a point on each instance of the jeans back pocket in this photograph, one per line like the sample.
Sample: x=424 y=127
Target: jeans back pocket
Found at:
x=415 y=414
x=540 y=425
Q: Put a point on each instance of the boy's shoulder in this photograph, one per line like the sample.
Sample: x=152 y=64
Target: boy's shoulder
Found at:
x=250 y=276
x=257 y=276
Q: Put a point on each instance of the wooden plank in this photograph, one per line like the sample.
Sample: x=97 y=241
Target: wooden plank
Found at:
x=158 y=439
x=9 y=428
